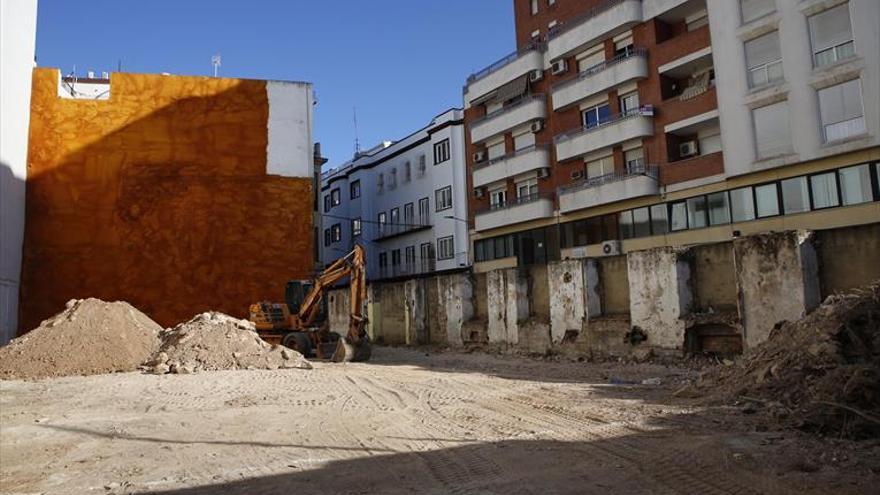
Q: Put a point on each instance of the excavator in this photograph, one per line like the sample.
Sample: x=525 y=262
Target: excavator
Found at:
x=300 y=323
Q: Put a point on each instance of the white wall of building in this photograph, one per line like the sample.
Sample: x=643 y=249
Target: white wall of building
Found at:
x=18 y=27
x=385 y=162
x=291 y=146
x=801 y=80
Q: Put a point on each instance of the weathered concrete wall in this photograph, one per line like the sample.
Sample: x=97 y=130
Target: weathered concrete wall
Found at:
x=455 y=298
x=508 y=304
x=777 y=279
x=416 y=304
x=660 y=293
x=848 y=257
x=566 y=280
x=389 y=313
x=539 y=292
x=338 y=310
x=614 y=280
x=159 y=196
x=714 y=277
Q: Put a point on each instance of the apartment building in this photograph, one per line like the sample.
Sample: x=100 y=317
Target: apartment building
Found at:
x=404 y=202
x=626 y=124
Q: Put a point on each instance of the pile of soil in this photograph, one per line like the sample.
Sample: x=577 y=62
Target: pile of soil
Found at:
x=89 y=337
x=820 y=373
x=215 y=341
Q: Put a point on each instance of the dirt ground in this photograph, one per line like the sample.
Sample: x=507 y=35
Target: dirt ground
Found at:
x=406 y=422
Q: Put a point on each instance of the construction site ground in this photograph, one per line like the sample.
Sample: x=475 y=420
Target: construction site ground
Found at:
x=408 y=422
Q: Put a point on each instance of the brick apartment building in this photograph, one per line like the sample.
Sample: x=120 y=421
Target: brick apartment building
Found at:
x=626 y=124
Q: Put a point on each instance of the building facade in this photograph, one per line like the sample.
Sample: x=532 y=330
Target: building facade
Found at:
x=627 y=124
x=404 y=202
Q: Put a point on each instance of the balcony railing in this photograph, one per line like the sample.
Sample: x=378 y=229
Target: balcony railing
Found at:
x=635 y=52
x=507 y=59
x=518 y=103
x=577 y=20
x=512 y=154
x=643 y=111
x=512 y=203
x=618 y=175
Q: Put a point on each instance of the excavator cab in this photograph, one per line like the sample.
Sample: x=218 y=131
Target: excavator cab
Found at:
x=295 y=293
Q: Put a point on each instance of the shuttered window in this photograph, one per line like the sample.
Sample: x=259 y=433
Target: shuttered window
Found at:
x=764 y=60
x=772 y=130
x=831 y=35
x=841 y=109
x=754 y=9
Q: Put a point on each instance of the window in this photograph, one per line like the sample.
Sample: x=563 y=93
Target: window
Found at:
x=659 y=223
x=336 y=232
x=841 y=109
x=527 y=189
x=624 y=46
x=409 y=215
x=441 y=151
x=356 y=227
x=497 y=198
x=326 y=203
x=831 y=35
x=443 y=198
x=383 y=262
x=407 y=171
x=495 y=150
x=625 y=221
x=410 y=257
x=855 y=184
x=823 y=190
x=634 y=159
x=629 y=103
x=380 y=182
x=795 y=196
x=426 y=251
x=424 y=210
x=600 y=167
x=327 y=237
x=383 y=220
x=551 y=3
x=767 y=200
x=754 y=9
x=764 y=60
x=395 y=219
x=392 y=178
x=742 y=204
x=642 y=222
x=335 y=197
x=354 y=189
x=592 y=60
x=696 y=212
x=679 y=216
x=445 y=248
x=534 y=6
x=719 y=210
x=524 y=140
x=772 y=130
x=395 y=260
x=596 y=116
x=423 y=161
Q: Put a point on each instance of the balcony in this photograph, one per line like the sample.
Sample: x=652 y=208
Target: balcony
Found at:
x=603 y=21
x=519 y=210
x=511 y=164
x=616 y=186
x=503 y=71
x=615 y=130
x=528 y=108
x=601 y=77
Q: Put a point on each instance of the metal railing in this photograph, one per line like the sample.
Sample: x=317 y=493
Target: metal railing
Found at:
x=518 y=103
x=578 y=20
x=643 y=111
x=618 y=175
x=512 y=203
x=510 y=155
x=504 y=61
x=601 y=66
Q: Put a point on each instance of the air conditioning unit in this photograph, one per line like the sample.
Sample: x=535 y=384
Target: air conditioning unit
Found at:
x=543 y=173
x=559 y=67
x=478 y=192
x=610 y=248
x=688 y=148
x=536 y=75
x=577 y=175
x=537 y=126
x=479 y=156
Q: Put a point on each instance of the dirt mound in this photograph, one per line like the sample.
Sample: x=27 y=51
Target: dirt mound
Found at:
x=215 y=341
x=89 y=337
x=821 y=373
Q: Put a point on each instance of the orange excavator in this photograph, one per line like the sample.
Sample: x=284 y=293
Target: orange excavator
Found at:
x=300 y=323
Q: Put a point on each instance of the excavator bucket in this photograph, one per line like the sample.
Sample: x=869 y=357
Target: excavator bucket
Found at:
x=348 y=352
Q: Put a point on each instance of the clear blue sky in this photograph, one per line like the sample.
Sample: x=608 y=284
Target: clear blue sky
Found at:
x=400 y=62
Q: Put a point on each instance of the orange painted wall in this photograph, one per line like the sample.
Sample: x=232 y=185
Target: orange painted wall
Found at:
x=158 y=196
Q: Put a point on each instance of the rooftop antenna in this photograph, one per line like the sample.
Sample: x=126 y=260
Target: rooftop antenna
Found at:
x=357 y=143
x=215 y=61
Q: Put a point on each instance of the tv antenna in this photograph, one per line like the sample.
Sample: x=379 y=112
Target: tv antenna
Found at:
x=357 y=143
x=215 y=61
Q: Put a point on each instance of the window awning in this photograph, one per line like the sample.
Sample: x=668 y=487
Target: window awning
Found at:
x=513 y=89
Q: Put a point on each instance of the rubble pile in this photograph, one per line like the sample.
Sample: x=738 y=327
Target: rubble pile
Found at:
x=215 y=341
x=820 y=373
x=89 y=337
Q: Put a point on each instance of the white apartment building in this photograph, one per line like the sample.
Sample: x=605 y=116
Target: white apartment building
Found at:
x=404 y=202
